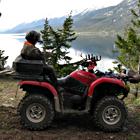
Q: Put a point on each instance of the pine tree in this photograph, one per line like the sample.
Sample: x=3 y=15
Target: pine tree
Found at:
x=68 y=35
x=61 y=41
x=57 y=42
x=2 y=60
x=129 y=44
x=47 y=40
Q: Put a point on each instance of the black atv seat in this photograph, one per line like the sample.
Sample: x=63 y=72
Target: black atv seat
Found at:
x=62 y=81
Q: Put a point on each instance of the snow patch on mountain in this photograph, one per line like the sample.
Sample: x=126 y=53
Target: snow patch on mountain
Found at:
x=110 y=13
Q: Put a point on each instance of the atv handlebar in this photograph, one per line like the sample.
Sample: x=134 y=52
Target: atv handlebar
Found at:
x=90 y=60
x=125 y=78
x=93 y=58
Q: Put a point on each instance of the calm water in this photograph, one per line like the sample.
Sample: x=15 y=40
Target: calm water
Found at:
x=13 y=43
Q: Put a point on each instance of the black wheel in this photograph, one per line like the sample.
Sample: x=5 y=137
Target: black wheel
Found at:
x=36 y=112
x=110 y=114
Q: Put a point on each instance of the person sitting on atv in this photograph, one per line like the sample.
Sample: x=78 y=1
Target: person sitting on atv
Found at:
x=133 y=76
x=31 y=52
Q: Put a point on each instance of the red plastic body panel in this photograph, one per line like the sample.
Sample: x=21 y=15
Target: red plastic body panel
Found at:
x=40 y=84
x=104 y=80
x=84 y=77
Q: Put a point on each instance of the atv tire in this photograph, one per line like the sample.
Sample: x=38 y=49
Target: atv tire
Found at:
x=36 y=112
x=109 y=114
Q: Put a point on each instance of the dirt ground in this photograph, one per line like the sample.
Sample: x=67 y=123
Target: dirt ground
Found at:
x=64 y=127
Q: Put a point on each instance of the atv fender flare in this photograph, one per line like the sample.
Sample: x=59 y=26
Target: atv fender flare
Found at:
x=40 y=84
x=47 y=86
x=105 y=80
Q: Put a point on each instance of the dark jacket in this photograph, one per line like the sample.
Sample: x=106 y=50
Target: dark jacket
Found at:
x=30 y=52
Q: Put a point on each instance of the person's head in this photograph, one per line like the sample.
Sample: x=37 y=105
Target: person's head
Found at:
x=33 y=37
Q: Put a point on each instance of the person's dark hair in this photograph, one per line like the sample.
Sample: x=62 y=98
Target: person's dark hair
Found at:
x=33 y=37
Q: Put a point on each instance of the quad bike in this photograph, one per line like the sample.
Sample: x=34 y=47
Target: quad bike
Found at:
x=85 y=90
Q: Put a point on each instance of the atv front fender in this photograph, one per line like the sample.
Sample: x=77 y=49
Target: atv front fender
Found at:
x=44 y=85
x=109 y=81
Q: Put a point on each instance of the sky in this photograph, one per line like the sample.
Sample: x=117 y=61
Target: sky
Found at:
x=19 y=11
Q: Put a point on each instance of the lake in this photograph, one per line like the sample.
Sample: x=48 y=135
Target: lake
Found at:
x=13 y=43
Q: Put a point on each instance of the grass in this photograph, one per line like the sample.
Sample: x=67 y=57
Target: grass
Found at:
x=8 y=88
x=136 y=101
x=133 y=137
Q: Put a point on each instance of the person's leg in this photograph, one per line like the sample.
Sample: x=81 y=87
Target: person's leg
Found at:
x=48 y=70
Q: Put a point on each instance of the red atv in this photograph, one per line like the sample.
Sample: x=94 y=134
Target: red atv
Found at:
x=81 y=91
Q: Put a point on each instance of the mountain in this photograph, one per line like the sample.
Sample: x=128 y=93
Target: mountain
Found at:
x=113 y=18
x=36 y=25
x=24 y=27
x=107 y=20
